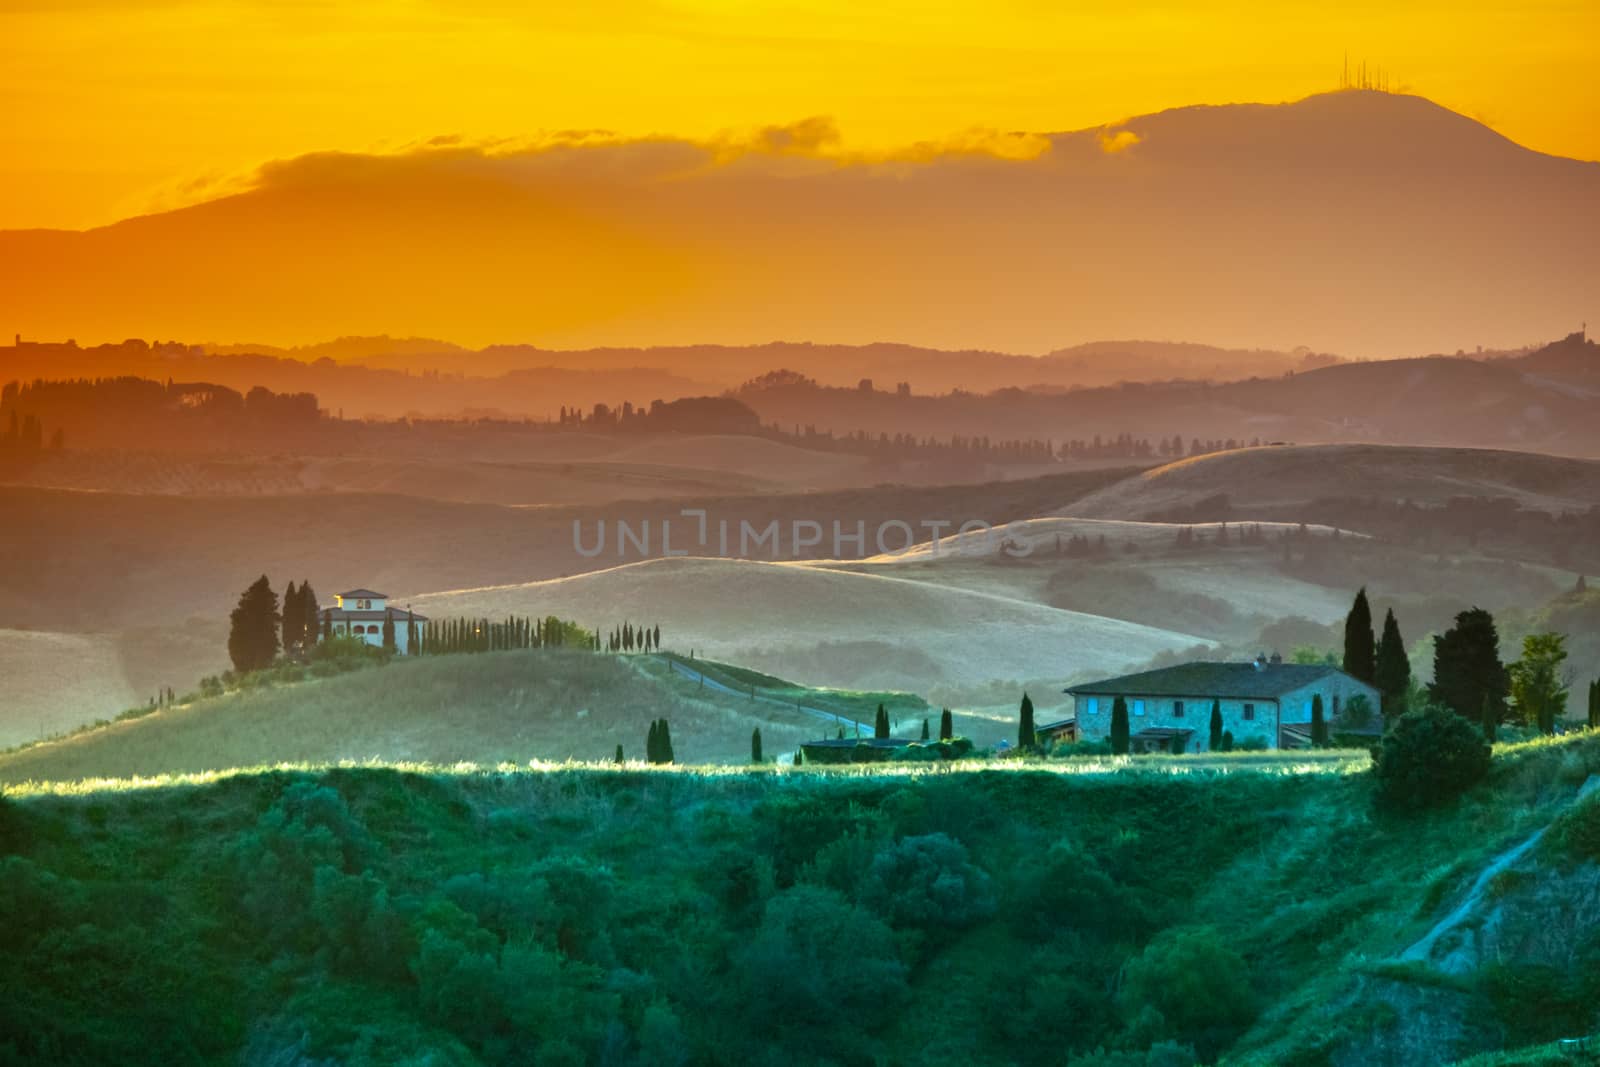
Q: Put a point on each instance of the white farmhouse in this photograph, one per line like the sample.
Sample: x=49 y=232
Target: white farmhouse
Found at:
x=362 y=613
x=1170 y=709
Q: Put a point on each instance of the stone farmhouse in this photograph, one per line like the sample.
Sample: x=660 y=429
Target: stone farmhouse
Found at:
x=362 y=612
x=1169 y=710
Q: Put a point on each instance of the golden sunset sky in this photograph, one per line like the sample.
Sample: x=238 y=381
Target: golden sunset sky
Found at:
x=116 y=108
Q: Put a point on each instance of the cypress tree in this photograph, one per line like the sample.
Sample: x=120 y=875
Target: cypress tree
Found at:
x=1359 y=649
x=755 y=745
x=1119 y=727
x=880 y=726
x=947 y=728
x=1594 y=704
x=797 y=761
x=412 y=644
x=925 y=728
x=1026 y=738
x=1319 y=725
x=1467 y=670
x=1227 y=740
x=388 y=631
x=656 y=638
x=667 y=755
x=652 y=744
x=253 y=633
x=618 y=758
x=1392 y=671
x=310 y=613
x=293 y=618
x=1215 y=740
x=327 y=625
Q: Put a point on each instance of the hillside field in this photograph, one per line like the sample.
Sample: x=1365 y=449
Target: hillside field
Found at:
x=488 y=709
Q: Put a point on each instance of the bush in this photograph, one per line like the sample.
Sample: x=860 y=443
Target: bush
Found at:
x=927 y=882
x=1080 y=748
x=813 y=953
x=1190 y=986
x=1253 y=743
x=1577 y=834
x=1428 y=758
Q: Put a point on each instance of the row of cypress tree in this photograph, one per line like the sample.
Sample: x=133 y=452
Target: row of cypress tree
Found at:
x=631 y=638
x=451 y=636
x=1381 y=663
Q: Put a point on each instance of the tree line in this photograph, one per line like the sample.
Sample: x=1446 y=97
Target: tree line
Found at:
x=441 y=637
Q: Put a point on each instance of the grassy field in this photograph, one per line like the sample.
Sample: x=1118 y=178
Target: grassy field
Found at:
x=55 y=682
x=373 y=915
x=508 y=707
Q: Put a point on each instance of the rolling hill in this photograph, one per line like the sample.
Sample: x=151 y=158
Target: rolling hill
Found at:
x=492 y=708
x=1281 y=479
x=840 y=628
x=105 y=561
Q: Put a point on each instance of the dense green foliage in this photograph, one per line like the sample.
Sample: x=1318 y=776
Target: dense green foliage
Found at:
x=373 y=916
x=1537 y=685
x=1427 y=758
x=1026 y=738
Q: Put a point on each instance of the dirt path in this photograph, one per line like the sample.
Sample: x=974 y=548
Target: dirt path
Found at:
x=711 y=683
x=1422 y=949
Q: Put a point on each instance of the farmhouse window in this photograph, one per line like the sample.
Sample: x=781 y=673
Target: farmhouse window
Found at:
x=1138 y=707
x=1177 y=709
x=1249 y=711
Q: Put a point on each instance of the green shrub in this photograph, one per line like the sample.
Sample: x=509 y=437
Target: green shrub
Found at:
x=927 y=882
x=1576 y=834
x=1428 y=758
x=1189 y=985
x=814 y=952
x=1253 y=743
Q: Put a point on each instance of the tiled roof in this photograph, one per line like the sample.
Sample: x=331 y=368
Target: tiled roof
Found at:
x=1209 y=679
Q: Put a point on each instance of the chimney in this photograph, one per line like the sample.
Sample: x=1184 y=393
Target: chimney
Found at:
x=1276 y=660
x=1260 y=663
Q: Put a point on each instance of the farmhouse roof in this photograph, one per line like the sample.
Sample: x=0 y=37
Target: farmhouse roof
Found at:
x=365 y=594
x=1209 y=679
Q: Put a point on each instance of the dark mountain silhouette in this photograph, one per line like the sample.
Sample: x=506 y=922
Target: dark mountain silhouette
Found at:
x=1357 y=222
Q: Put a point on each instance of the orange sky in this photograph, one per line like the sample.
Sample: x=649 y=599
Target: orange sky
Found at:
x=119 y=107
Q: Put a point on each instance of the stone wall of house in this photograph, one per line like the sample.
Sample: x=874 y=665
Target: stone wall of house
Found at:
x=1245 y=718
x=1337 y=690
